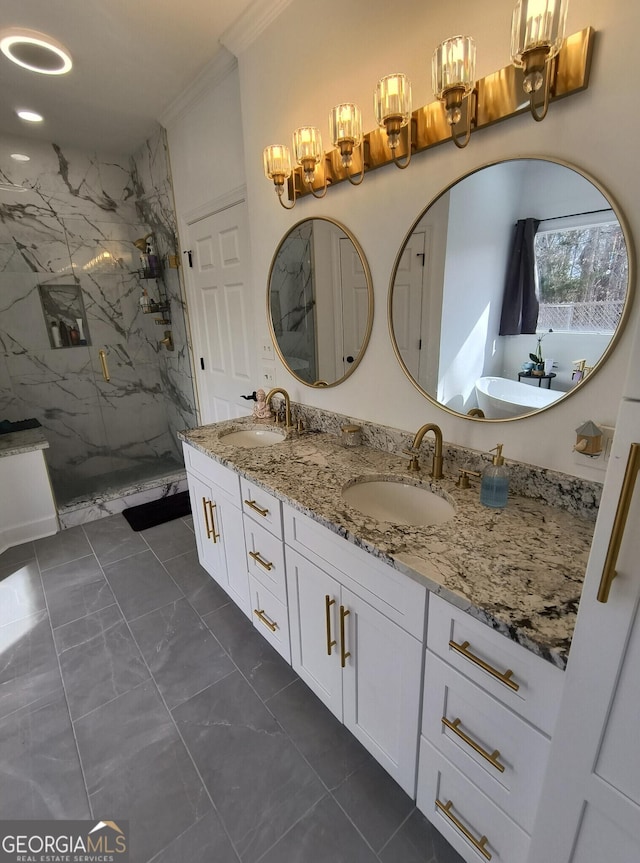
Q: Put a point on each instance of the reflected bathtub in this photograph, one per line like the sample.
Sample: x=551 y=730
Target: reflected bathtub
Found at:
x=500 y=398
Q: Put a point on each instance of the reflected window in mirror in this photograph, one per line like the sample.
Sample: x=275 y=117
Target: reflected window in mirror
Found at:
x=320 y=302
x=454 y=272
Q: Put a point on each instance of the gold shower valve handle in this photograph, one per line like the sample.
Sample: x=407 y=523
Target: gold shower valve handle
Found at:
x=105 y=367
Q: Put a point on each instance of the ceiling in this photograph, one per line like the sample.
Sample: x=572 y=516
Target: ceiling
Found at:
x=132 y=58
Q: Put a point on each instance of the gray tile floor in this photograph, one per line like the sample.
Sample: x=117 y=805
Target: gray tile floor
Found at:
x=132 y=688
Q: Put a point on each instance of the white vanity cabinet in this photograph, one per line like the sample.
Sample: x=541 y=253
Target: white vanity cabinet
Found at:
x=489 y=708
x=357 y=630
x=262 y=513
x=214 y=491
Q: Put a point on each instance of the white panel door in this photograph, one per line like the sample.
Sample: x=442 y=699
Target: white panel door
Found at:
x=355 y=302
x=218 y=284
x=314 y=602
x=590 y=809
x=381 y=688
x=407 y=302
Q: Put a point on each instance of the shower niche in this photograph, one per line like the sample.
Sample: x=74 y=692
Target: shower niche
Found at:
x=64 y=316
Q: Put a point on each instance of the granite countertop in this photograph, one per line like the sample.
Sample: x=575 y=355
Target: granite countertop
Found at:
x=519 y=570
x=28 y=440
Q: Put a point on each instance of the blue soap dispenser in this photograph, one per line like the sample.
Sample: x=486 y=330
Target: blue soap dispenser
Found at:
x=494 y=487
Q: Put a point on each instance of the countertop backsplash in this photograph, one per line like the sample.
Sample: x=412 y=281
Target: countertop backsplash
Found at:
x=570 y=493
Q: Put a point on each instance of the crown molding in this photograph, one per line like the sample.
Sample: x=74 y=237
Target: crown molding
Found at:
x=251 y=23
x=215 y=71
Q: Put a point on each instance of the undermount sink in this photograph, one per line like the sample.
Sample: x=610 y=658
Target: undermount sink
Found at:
x=398 y=502
x=252 y=437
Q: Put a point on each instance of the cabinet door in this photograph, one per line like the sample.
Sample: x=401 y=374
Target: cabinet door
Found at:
x=381 y=687
x=314 y=604
x=590 y=806
x=209 y=547
x=231 y=529
x=220 y=539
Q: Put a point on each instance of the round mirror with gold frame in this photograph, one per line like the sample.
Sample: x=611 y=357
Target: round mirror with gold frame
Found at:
x=320 y=302
x=511 y=289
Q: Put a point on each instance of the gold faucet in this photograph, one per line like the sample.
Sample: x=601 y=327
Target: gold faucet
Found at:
x=287 y=403
x=436 y=467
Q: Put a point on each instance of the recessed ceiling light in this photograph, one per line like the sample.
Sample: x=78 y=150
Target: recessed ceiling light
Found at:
x=30 y=116
x=21 y=157
x=35 y=51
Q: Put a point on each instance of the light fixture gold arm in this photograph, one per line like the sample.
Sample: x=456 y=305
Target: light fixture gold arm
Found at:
x=279 y=184
x=550 y=68
x=462 y=139
x=407 y=159
x=323 y=191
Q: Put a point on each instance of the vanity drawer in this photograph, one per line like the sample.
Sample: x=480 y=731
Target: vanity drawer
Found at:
x=261 y=506
x=475 y=826
x=211 y=470
x=270 y=617
x=265 y=558
x=511 y=765
x=532 y=689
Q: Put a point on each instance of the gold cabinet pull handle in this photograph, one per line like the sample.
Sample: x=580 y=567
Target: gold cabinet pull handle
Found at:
x=344 y=654
x=478 y=844
x=256 y=556
x=502 y=676
x=259 y=613
x=257 y=508
x=619 y=522
x=105 y=367
x=492 y=757
x=215 y=536
x=328 y=602
x=205 y=503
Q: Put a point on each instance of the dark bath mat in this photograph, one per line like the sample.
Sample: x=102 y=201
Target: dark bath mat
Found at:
x=158 y=511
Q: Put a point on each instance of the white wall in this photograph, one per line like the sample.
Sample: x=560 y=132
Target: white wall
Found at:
x=305 y=63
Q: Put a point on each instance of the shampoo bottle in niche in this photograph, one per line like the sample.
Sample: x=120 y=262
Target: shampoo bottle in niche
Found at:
x=494 y=487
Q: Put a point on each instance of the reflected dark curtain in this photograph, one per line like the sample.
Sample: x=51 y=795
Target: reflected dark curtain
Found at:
x=520 y=303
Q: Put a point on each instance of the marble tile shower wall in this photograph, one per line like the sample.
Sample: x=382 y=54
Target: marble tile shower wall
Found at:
x=76 y=224
x=151 y=176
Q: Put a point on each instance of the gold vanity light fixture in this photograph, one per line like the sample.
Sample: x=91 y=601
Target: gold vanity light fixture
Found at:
x=276 y=160
x=537 y=33
x=392 y=104
x=307 y=145
x=560 y=66
x=345 y=131
x=453 y=70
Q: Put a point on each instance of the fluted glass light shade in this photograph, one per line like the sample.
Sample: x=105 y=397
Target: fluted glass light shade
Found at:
x=537 y=32
x=307 y=145
x=276 y=159
x=345 y=128
x=453 y=70
x=392 y=101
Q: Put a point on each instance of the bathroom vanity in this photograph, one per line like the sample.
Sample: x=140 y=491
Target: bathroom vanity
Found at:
x=440 y=647
x=27 y=505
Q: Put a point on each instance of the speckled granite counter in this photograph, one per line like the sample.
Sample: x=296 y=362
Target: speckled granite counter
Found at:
x=519 y=570
x=18 y=442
